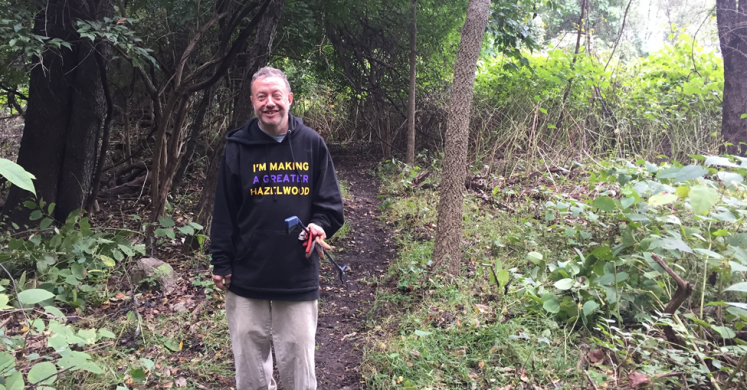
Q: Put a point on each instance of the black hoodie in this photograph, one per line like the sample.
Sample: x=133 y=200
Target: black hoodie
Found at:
x=262 y=182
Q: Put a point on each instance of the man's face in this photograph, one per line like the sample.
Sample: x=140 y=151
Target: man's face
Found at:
x=271 y=100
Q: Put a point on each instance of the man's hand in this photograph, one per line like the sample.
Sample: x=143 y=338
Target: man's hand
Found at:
x=317 y=236
x=222 y=281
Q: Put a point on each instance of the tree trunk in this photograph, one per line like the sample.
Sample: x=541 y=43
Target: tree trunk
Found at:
x=261 y=50
x=411 y=104
x=447 y=250
x=732 y=32
x=194 y=133
x=96 y=185
x=65 y=113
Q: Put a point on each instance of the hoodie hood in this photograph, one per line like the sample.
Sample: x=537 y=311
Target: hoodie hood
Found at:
x=251 y=134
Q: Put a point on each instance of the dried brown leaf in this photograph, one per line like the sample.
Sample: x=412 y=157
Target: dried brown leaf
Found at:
x=636 y=380
x=596 y=356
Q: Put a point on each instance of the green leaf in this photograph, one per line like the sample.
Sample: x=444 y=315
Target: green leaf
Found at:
x=7 y=363
x=743 y=116
x=668 y=173
x=59 y=315
x=708 y=253
x=15 y=174
x=690 y=172
x=737 y=267
x=671 y=243
x=724 y=332
x=75 y=359
x=172 y=345
x=108 y=261
x=627 y=202
x=147 y=363
x=651 y=168
x=187 y=230
x=166 y=221
x=589 y=307
x=137 y=374
x=661 y=199
x=742 y=287
x=719 y=161
x=551 y=304
x=698 y=321
x=15 y=382
x=729 y=178
x=604 y=203
x=35 y=295
x=106 y=333
x=421 y=333
x=683 y=191
x=45 y=223
x=89 y=335
x=503 y=277
x=164 y=233
x=534 y=257
x=702 y=198
x=40 y=371
x=35 y=215
x=4 y=302
x=564 y=284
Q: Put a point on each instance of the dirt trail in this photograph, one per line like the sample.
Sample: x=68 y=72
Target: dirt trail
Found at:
x=343 y=309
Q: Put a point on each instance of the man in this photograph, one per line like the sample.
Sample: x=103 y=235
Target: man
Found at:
x=273 y=167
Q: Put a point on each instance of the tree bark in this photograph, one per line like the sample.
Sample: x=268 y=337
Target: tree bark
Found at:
x=447 y=250
x=101 y=63
x=410 y=160
x=194 y=134
x=65 y=113
x=732 y=30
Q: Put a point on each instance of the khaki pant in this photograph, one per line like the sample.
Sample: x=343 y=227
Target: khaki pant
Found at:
x=291 y=326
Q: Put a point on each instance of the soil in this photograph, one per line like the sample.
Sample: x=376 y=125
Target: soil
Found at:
x=367 y=250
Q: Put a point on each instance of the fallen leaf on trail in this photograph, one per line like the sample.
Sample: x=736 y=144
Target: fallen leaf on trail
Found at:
x=481 y=308
x=119 y=295
x=596 y=356
x=523 y=375
x=181 y=382
x=409 y=364
x=167 y=385
x=481 y=364
x=400 y=379
x=636 y=380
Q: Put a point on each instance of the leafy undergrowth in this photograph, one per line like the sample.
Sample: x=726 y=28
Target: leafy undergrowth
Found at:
x=564 y=282
x=72 y=316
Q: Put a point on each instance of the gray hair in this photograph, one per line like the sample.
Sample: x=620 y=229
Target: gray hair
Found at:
x=268 y=71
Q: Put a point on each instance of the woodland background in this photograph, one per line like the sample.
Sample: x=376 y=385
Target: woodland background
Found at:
x=581 y=158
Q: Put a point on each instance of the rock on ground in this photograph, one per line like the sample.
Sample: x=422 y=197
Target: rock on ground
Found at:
x=158 y=274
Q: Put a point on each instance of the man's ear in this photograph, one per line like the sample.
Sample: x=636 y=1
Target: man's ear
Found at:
x=290 y=98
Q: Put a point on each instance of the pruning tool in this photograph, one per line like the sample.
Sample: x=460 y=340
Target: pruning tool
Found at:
x=291 y=222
